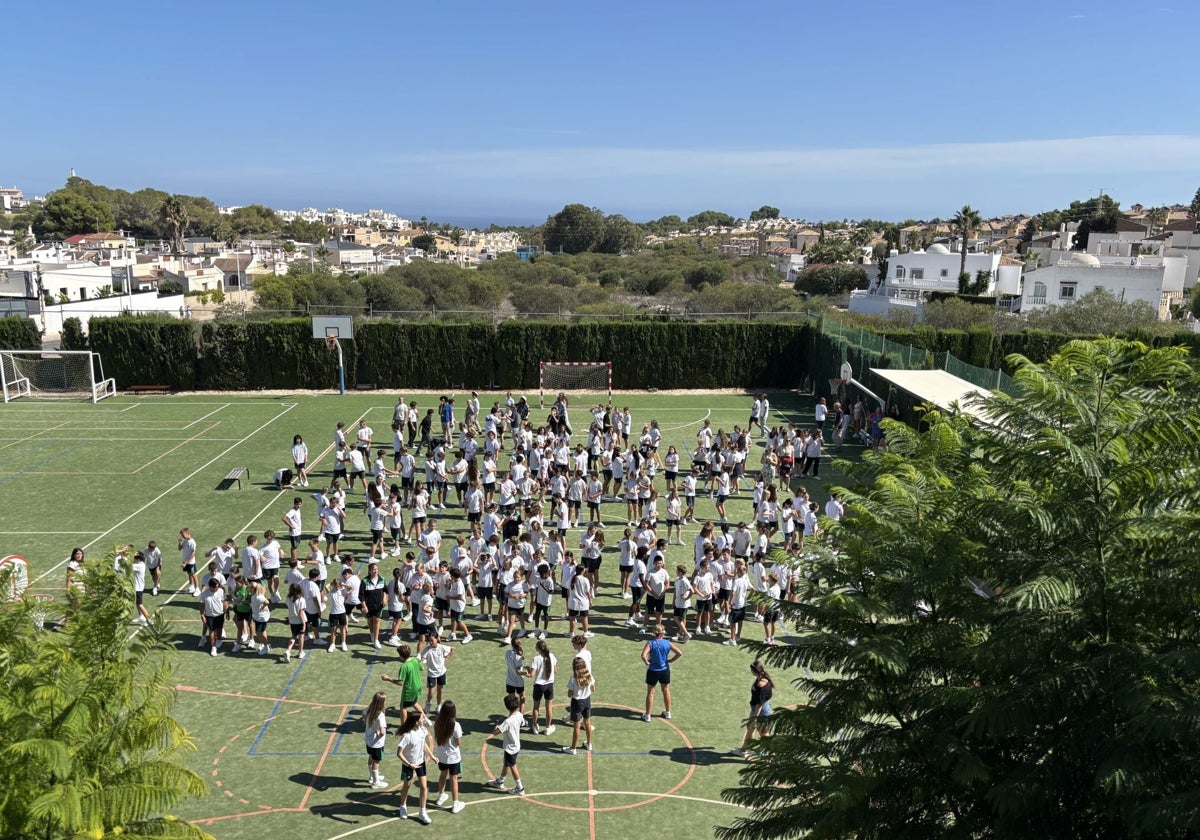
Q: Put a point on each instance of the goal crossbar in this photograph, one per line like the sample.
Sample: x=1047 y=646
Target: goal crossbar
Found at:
x=54 y=374
x=562 y=376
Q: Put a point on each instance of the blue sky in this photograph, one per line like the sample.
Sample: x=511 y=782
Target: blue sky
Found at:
x=506 y=111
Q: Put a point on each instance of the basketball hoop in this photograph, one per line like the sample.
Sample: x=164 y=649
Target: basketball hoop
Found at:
x=331 y=342
x=41 y=610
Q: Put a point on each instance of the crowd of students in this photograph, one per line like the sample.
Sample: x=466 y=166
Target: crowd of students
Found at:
x=514 y=563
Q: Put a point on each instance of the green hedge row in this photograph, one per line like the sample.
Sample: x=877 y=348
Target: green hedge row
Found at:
x=18 y=333
x=282 y=354
x=389 y=354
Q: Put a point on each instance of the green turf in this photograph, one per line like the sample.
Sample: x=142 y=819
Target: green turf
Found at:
x=281 y=743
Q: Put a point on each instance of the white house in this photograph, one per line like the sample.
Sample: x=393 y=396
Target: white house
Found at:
x=1156 y=280
x=913 y=275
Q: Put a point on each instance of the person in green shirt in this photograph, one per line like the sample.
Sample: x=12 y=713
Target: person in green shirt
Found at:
x=409 y=680
x=241 y=612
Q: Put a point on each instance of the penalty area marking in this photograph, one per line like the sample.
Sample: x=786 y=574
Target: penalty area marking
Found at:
x=507 y=798
x=706 y=416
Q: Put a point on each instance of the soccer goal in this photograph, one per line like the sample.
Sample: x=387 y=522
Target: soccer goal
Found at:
x=564 y=376
x=57 y=374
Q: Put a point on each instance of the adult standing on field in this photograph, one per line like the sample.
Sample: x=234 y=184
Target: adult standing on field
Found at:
x=764 y=413
x=364 y=437
x=446 y=415
x=658 y=654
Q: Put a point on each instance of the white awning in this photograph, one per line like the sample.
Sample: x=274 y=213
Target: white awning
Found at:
x=937 y=387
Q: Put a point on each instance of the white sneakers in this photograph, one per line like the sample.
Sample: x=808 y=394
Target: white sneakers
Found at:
x=467 y=639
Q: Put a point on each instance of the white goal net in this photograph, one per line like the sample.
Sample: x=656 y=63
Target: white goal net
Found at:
x=57 y=374
x=570 y=376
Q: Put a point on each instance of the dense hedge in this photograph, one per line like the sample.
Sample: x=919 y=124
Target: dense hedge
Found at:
x=146 y=350
x=19 y=333
x=234 y=356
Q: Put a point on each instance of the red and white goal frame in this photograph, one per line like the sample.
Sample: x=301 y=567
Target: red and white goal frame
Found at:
x=562 y=376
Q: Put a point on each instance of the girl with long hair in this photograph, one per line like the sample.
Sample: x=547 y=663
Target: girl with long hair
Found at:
x=580 y=688
x=375 y=721
x=544 y=669
x=761 y=690
x=447 y=749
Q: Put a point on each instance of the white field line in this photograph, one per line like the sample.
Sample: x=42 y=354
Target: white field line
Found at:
x=507 y=798
x=173 y=487
x=274 y=500
x=206 y=416
x=706 y=416
x=123 y=410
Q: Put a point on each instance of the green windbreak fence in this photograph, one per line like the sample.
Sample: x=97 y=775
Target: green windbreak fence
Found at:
x=865 y=349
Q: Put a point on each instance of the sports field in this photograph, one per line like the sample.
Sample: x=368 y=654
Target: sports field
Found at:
x=282 y=743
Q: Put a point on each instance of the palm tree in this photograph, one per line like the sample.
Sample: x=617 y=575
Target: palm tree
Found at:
x=965 y=222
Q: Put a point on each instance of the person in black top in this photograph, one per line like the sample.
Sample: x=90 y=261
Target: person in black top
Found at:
x=760 y=705
x=371 y=593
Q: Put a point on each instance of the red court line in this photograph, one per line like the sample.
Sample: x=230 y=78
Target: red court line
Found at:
x=191 y=689
x=328 y=746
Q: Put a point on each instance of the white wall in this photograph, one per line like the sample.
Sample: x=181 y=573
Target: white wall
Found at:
x=1148 y=280
x=139 y=303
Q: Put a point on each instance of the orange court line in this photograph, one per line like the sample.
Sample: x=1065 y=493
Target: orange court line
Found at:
x=176 y=446
x=35 y=434
x=191 y=689
x=591 y=797
x=328 y=746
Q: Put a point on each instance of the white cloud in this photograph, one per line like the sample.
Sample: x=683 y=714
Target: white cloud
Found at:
x=1099 y=154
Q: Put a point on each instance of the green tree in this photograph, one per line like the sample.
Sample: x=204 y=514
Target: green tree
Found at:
x=619 y=236
x=1005 y=644
x=707 y=274
x=965 y=222
x=88 y=744
x=1194 y=207
x=574 y=229
x=255 y=220
x=764 y=212
x=67 y=213
x=425 y=242
x=304 y=231
x=711 y=218
x=174 y=216
x=137 y=213
x=831 y=250
x=22 y=242
x=825 y=279
x=1099 y=312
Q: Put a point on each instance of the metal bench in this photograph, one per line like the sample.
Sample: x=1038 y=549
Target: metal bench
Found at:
x=236 y=474
x=148 y=389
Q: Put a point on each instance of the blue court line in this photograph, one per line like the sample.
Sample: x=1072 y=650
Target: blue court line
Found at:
x=354 y=704
x=278 y=703
x=32 y=467
x=34 y=445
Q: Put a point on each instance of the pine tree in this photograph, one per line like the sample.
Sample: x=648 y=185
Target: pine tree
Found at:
x=1006 y=643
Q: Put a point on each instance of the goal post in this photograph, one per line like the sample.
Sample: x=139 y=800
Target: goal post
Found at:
x=54 y=374
x=564 y=376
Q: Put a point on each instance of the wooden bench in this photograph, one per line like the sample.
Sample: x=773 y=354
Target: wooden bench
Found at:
x=148 y=389
x=236 y=474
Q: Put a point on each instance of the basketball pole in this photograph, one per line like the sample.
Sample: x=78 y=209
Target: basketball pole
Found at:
x=341 y=369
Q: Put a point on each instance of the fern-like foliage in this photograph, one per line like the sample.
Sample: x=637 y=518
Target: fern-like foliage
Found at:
x=1007 y=641
x=88 y=745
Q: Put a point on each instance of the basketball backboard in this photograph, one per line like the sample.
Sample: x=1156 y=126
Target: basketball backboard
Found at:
x=333 y=326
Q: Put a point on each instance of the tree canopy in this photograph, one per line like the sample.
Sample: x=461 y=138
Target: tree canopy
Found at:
x=764 y=212
x=711 y=218
x=1006 y=643
x=826 y=279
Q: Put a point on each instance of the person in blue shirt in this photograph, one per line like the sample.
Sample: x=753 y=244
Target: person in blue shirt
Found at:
x=446 y=415
x=658 y=654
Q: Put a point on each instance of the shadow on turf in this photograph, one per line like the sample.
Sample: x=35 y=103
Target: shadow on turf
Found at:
x=362 y=803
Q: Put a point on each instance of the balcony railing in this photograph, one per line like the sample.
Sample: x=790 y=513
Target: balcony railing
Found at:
x=1035 y=299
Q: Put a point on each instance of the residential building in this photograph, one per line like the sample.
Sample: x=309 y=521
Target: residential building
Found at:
x=351 y=257
x=912 y=276
x=11 y=198
x=1158 y=281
